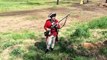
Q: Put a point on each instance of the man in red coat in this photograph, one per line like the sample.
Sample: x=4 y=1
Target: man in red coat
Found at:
x=51 y=26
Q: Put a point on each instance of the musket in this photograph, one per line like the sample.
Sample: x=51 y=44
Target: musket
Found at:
x=64 y=17
x=47 y=32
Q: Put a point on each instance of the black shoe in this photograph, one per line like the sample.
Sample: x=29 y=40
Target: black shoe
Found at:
x=51 y=49
x=47 y=50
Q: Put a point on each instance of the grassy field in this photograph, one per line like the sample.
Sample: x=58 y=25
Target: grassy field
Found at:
x=21 y=33
x=13 y=5
x=17 y=5
x=74 y=36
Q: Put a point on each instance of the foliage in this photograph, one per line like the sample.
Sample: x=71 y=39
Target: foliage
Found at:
x=32 y=54
x=103 y=51
x=26 y=35
x=104 y=33
x=83 y=58
x=17 y=52
x=22 y=35
x=16 y=5
x=82 y=31
x=62 y=51
x=100 y=23
x=6 y=44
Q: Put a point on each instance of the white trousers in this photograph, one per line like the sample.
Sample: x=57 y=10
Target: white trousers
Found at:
x=50 y=41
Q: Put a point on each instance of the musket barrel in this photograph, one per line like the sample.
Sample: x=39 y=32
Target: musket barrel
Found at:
x=64 y=17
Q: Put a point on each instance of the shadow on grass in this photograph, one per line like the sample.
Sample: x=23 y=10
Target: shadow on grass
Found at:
x=63 y=52
x=36 y=52
x=40 y=45
x=64 y=46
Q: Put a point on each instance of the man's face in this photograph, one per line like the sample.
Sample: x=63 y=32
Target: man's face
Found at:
x=53 y=18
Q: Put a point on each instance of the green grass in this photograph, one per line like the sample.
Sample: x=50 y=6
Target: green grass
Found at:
x=16 y=36
x=61 y=52
x=11 y=39
x=37 y=53
x=81 y=32
x=27 y=35
x=30 y=55
x=100 y=23
x=74 y=36
x=17 y=5
x=83 y=58
x=6 y=44
x=17 y=52
x=12 y=6
x=105 y=34
x=103 y=51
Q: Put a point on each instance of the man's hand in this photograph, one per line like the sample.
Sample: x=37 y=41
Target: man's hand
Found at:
x=48 y=29
x=47 y=33
x=54 y=25
x=57 y=25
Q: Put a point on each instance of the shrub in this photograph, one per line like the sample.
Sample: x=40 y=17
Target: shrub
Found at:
x=81 y=31
x=103 y=51
x=105 y=34
x=98 y=23
x=31 y=55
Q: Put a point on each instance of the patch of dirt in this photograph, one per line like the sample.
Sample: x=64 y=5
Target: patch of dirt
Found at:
x=17 y=21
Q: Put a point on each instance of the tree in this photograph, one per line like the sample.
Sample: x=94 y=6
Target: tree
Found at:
x=57 y=2
x=87 y=1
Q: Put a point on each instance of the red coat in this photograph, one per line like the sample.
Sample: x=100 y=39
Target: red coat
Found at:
x=48 y=24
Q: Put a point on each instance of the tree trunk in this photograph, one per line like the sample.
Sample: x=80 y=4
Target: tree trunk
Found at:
x=87 y=1
x=57 y=2
x=106 y=1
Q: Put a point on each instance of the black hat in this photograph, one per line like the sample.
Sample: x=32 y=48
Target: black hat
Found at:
x=52 y=15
